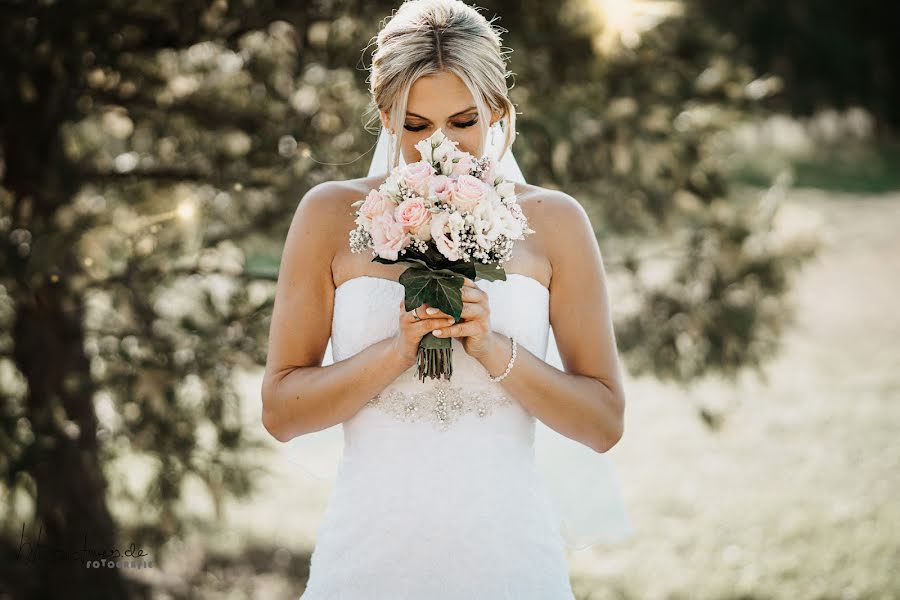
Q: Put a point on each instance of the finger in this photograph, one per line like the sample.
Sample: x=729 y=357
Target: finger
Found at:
x=426 y=325
x=462 y=329
x=410 y=318
x=431 y=312
x=416 y=315
x=409 y=315
x=422 y=312
x=472 y=295
x=472 y=311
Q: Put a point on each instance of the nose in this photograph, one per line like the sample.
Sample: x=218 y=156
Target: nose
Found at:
x=461 y=144
x=451 y=136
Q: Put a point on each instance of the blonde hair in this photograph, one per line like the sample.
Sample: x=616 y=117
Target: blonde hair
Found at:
x=424 y=37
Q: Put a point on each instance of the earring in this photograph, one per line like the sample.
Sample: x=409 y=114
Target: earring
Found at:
x=492 y=142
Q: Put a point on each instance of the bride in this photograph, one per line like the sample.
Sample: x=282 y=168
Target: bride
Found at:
x=437 y=495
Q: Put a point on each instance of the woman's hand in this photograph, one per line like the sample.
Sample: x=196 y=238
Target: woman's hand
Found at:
x=474 y=327
x=412 y=331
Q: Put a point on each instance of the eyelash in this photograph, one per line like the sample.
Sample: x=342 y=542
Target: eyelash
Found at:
x=460 y=125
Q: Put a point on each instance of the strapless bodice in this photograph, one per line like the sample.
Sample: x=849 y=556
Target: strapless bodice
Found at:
x=366 y=310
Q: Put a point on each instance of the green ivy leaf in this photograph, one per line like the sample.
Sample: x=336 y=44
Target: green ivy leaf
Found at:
x=441 y=289
x=490 y=272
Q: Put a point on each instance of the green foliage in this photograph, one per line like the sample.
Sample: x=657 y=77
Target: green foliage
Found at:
x=825 y=51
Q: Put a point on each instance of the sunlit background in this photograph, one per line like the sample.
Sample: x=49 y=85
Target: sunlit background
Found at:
x=741 y=167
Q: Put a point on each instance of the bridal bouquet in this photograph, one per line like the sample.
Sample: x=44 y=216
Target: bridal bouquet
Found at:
x=451 y=216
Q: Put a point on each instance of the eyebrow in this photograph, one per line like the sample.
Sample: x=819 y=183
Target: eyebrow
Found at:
x=451 y=116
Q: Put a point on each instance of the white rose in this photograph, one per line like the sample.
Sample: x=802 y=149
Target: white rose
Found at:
x=487 y=226
x=446 y=166
x=448 y=247
x=425 y=150
x=457 y=225
x=391 y=185
x=512 y=225
x=437 y=138
x=507 y=189
x=440 y=152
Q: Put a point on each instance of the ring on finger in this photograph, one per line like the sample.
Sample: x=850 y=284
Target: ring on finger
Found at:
x=416 y=314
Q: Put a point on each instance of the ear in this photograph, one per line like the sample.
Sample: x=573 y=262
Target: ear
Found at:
x=385 y=120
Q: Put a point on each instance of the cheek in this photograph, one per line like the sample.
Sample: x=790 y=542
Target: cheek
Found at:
x=470 y=141
x=410 y=154
x=408 y=146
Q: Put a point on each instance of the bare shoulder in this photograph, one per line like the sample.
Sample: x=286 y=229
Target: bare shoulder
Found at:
x=555 y=216
x=548 y=205
x=333 y=198
x=327 y=205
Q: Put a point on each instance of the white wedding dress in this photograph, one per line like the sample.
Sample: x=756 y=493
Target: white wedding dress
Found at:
x=437 y=496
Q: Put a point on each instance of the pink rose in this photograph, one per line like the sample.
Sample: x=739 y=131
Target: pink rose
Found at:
x=412 y=214
x=416 y=176
x=441 y=187
x=388 y=236
x=468 y=192
x=446 y=246
x=376 y=203
x=465 y=164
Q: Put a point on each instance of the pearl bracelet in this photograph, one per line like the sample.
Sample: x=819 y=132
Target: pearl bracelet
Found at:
x=512 y=359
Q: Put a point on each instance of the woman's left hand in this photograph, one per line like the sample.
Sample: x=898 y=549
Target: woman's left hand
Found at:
x=474 y=326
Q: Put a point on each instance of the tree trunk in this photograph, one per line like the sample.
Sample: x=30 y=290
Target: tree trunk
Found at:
x=71 y=511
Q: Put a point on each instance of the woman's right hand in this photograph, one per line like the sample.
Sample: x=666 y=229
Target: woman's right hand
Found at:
x=412 y=331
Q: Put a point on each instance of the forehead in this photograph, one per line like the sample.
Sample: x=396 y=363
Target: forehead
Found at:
x=438 y=96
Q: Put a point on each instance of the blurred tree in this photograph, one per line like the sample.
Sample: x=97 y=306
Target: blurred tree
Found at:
x=828 y=53
x=631 y=123
x=145 y=146
x=152 y=154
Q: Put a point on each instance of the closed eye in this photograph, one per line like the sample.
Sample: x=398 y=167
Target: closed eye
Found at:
x=458 y=125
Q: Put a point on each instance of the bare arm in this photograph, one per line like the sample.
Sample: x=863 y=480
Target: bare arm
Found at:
x=587 y=401
x=299 y=395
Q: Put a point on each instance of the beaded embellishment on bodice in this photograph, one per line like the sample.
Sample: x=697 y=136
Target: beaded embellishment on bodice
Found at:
x=442 y=404
x=366 y=311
